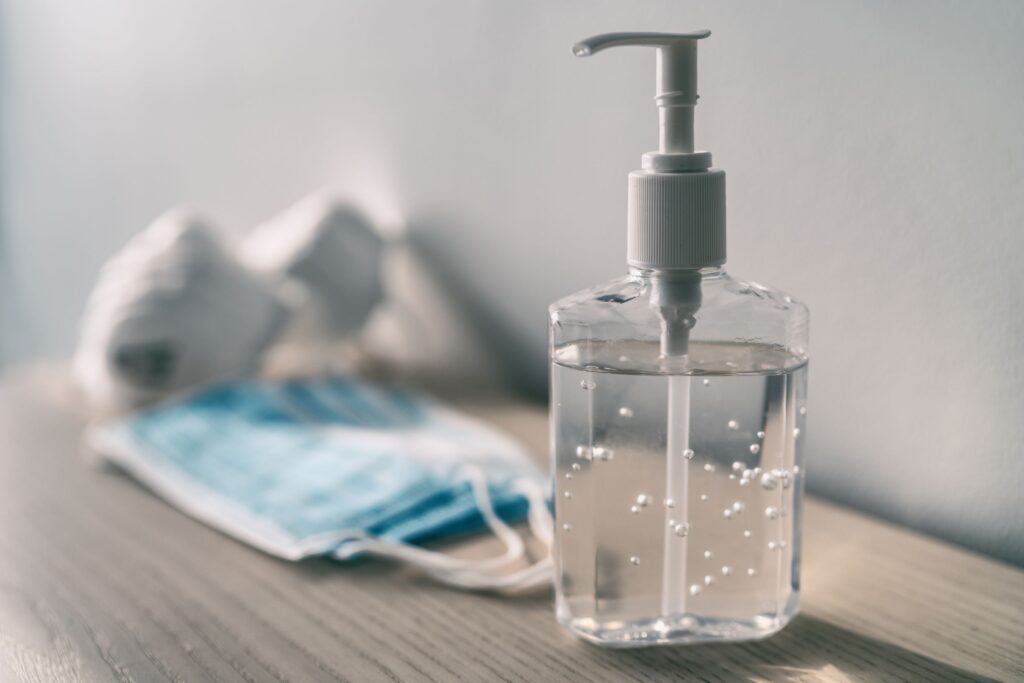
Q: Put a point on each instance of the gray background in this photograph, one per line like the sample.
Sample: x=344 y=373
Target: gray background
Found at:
x=873 y=150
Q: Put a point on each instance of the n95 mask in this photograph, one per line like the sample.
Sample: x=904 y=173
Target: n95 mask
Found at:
x=342 y=468
x=331 y=250
x=171 y=311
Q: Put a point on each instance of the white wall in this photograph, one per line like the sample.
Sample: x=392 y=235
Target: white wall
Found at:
x=874 y=152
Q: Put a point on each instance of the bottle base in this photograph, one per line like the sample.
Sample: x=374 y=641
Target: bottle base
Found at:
x=684 y=630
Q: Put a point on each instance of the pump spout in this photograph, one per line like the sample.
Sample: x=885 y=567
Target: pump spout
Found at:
x=676 y=89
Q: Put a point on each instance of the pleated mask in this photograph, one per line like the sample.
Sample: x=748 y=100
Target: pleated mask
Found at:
x=342 y=468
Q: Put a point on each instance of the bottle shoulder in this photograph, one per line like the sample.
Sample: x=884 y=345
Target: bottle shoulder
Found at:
x=618 y=291
x=734 y=318
x=631 y=297
x=735 y=297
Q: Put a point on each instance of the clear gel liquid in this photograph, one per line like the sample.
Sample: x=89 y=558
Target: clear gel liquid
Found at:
x=640 y=561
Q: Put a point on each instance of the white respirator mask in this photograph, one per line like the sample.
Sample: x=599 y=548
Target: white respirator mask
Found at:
x=171 y=310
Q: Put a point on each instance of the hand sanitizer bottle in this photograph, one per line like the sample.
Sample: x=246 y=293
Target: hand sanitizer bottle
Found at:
x=678 y=399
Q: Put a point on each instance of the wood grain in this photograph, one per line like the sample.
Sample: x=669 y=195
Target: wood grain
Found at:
x=101 y=581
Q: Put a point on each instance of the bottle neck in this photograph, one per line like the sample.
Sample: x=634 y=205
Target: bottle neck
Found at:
x=676 y=295
x=649 y=275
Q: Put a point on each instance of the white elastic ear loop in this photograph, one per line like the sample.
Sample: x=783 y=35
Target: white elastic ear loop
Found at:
x=541 y=524
x=468 y=573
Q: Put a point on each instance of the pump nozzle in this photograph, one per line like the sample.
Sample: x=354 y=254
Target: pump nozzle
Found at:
x=676 y=92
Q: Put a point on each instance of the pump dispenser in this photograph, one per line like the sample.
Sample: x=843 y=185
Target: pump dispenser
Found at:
x=676 y=216
x=678 y=400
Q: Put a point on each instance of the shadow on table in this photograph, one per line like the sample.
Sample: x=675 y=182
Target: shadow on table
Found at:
x=808 y=649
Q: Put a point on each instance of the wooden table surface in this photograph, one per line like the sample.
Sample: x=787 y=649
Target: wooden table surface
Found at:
x=100 y=580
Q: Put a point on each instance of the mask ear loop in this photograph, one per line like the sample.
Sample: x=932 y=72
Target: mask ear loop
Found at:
x=539 y=517
x=472 y=574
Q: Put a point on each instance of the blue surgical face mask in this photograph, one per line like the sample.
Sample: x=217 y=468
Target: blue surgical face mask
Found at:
x=342 y=468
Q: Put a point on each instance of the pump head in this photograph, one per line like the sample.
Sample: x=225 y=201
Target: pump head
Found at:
x=676 y=89
x=677 y=201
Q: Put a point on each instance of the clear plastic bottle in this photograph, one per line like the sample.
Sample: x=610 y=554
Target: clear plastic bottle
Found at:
x=678 y=398
x=641 y=559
